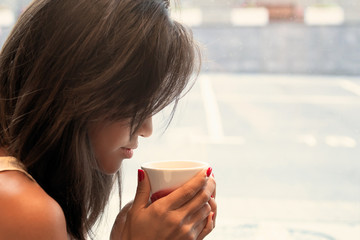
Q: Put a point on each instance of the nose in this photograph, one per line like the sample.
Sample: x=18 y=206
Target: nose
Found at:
x=146 y=128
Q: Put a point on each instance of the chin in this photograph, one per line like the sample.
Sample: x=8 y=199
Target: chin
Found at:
x=112 y=168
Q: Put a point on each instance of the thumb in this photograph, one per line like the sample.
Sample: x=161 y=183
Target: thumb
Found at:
x=143 y=190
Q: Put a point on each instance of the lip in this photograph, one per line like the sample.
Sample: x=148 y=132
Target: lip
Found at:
x=132 y=145
x=127 y=152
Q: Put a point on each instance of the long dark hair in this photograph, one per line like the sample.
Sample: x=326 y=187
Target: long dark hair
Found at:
x=69 y=63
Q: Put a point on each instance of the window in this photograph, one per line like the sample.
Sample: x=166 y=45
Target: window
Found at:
x=275 y=111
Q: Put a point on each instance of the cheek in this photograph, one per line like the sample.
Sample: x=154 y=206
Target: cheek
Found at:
x=108 y=159
x=106 y=142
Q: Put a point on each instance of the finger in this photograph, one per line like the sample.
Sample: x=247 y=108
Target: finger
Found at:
x=213 y=206
x=208 y=227
x=199 y=228
x=213 y=177
x=123 y=212
x=185 y=193
x=143 y=191
x=200 y=215
x=202 y=197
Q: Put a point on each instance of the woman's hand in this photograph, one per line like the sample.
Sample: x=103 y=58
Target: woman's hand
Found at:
x=189 y=212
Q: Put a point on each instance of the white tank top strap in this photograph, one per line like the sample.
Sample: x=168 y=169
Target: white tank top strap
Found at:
x=12 y=164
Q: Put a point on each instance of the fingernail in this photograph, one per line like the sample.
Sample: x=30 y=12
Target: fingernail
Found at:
x=212 y=196
x=141 y=175
x=208 y=172
x=213 y=216
x=213 y=175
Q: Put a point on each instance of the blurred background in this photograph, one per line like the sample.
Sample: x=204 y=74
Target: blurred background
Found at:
x=275 y=111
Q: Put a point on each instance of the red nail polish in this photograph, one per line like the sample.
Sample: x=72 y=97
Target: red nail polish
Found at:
x=208 y=172
x=213 y=216
x=212 y=196
x=141 y=175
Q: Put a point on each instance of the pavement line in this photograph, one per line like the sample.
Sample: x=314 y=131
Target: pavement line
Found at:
x=340 y=141
x=350 y=86
x=213 y=118
x=226 y=140
x=308 y=139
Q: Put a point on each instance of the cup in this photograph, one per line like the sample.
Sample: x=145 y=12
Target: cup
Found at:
x=166 y=176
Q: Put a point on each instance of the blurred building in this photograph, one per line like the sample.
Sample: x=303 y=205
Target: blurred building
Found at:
x=279 y=9
x=218 y=10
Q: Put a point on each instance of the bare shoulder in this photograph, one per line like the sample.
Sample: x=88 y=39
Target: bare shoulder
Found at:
x=27 y=212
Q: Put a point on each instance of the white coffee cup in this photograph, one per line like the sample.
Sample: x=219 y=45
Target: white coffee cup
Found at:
x=166 y=176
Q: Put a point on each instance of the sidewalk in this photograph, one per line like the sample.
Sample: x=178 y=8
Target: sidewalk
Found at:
x=276 y=219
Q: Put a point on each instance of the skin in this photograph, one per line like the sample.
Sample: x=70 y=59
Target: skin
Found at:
x=112 y=140
x=25 y=206
x=187 y=213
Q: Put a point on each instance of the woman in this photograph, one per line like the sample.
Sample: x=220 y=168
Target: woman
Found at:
x=80 y=81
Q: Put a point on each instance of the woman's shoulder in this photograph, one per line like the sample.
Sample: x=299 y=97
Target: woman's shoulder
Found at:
x=27 y=212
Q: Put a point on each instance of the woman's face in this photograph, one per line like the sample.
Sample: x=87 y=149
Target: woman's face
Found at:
x=112 y=142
